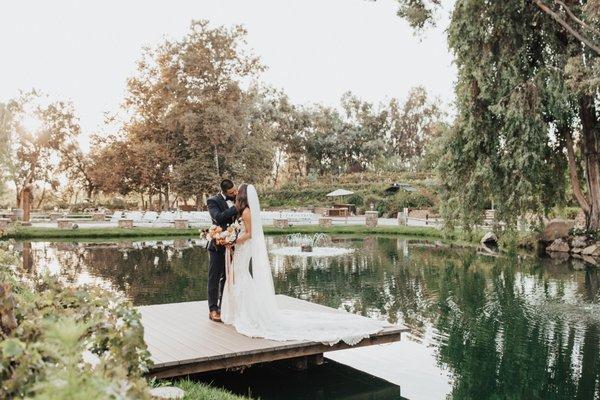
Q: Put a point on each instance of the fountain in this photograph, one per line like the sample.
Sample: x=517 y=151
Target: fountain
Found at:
x=317 y=245
x=307 y=242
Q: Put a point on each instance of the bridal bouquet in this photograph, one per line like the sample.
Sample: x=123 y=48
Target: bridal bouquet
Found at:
x=223 y=237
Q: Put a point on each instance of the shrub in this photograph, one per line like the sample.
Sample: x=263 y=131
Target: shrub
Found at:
x=69 y=341
x=564 y=212
x=356 y=199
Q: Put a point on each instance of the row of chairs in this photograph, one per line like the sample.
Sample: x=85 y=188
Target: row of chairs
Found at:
x=153 y=217
x=292 y=216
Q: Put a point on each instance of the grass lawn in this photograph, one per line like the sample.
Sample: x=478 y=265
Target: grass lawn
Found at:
x=201 y=391
x=359 y=229
x=91 y=233
x=55 y=233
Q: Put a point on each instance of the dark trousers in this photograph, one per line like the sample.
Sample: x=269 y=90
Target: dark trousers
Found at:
x=216 y=278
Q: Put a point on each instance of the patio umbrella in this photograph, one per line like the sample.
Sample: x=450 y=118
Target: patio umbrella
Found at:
x=339 y=193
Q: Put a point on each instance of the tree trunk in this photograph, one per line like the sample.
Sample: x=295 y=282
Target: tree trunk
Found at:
x=167 y=201
x=217 y=161
x=18 y=195
x=278 y=163
x=89 y=193
x=39 y=205
x=26 y=200
x=573 y=174
x=590 y=138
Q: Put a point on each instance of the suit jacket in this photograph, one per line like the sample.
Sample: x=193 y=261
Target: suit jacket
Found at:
x=222 y=215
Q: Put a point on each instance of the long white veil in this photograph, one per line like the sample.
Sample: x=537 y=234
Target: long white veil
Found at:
x=261 y=267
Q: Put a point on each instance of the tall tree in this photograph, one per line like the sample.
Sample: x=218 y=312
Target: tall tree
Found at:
x=527 y=101
x=366 y=133
x=77 y=166
x=413 y=124
x=39 y=133
x=114 y=168
x=293 y=125
x=188 y=99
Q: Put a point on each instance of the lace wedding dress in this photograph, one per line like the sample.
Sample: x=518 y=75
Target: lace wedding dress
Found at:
x=249 y=302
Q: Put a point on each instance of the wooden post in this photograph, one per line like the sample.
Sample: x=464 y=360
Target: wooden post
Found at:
x=316 y=359
x=299 y=363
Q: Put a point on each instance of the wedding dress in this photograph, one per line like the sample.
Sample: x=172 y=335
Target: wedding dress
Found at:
x=249 y=303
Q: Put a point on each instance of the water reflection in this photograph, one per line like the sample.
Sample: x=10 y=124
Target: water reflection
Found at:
x=330 y=381
x=519 y=328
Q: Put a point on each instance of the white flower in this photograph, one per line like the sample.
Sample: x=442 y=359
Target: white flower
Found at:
x=90 y=358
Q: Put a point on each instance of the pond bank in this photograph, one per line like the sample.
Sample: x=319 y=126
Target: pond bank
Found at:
x=54 y=233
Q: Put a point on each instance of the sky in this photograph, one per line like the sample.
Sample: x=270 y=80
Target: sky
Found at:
x=315 y=50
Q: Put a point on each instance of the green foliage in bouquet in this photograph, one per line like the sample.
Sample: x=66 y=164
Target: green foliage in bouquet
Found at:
x=63 y=341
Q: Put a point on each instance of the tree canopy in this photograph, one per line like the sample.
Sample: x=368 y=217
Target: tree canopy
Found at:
x=37 y=133
x=195 y=111
x=527 y=95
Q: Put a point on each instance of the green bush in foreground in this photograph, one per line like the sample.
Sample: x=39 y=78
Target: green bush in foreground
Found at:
x=59 y=340
x=63 y=341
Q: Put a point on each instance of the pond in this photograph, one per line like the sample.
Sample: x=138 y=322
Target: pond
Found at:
x=483 y=327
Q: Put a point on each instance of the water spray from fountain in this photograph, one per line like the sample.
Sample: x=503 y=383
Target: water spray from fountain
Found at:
x=308 y=242
x=316 y=245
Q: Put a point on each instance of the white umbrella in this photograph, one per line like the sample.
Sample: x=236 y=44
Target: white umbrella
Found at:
x=339 y=192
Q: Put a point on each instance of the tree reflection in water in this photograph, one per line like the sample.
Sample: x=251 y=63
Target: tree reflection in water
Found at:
x=505 y=327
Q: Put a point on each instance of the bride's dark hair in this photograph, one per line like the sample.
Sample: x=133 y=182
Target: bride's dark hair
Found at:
x=241 y=199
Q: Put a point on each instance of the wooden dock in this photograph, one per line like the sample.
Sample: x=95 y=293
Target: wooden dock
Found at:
x=182 y=340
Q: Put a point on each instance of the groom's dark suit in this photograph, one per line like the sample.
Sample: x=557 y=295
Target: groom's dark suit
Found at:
x=222 y=215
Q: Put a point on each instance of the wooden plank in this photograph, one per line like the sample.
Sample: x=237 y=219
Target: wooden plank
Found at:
x=236 y=343
x=175 y=339
x=250 y=359
x=182 y=340
x=194 y=335
x=176 y=350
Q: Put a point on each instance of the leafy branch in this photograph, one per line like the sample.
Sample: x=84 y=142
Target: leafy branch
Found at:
x=588 y=42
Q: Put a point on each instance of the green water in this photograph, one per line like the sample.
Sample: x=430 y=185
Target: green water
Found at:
x=482 y=327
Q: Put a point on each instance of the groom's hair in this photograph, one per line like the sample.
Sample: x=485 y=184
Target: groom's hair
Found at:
x=226 y=184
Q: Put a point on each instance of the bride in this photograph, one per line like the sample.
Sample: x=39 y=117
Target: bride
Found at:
x=249 y=302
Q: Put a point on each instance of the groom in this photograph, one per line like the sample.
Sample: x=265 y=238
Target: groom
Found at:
x=223 y=212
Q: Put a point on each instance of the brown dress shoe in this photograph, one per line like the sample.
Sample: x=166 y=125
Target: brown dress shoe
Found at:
x=215 y=316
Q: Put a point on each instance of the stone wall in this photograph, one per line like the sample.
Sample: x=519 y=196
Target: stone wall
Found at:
x=281 y=223
x=371 y=218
